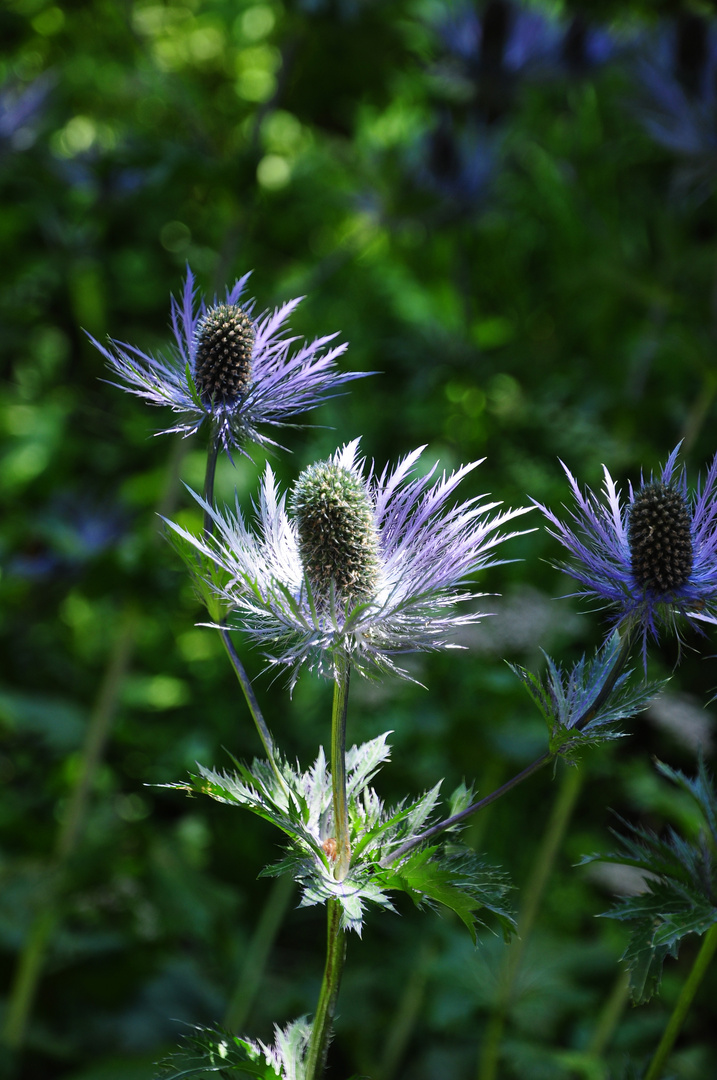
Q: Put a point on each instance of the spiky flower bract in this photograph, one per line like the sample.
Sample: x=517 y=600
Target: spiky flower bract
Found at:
x=582 y=705
x=650 y=557
x=414 y=553
x=231 y=368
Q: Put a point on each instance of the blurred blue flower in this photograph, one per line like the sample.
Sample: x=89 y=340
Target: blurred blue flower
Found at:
x=649 y=558
x=501 y=36
x=231 y=368
x=20 y=108
x=585 y=46
x=507 y=41
x=67 y=535
x=677 y=102
x=309 y=589
x=456 y=164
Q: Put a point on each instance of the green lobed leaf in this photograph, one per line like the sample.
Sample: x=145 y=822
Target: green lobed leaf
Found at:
x=457 y=879
x=680 y=886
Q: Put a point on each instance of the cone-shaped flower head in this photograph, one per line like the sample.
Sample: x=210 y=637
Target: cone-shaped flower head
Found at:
x=222 y=362
x=360 y=565
x=336 y=533
x=651 y=557
x=659 y=538
x=231 y=368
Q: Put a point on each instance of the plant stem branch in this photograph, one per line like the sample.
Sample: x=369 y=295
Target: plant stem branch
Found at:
x=600 y=698
x=609 y=1017
x=98 y=731
x=702 y=962
x=447 y=823
x=257 y=954
x=542 y=868
x=250 y=697
x=336 y=939
x=31 y=961
x=210 y=473
x=323 y=1019
x=338 y=769
x=239 y=670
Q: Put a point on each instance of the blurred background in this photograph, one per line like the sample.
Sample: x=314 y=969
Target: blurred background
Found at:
x=508 y=210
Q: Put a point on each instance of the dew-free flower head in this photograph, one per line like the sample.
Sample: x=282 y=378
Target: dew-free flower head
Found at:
x=355 y=563
x=650 y=557
x=235 y=370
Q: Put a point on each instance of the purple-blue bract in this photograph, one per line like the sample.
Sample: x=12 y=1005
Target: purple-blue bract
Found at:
x=283 y=384
x=427 y=551
x=596 y=536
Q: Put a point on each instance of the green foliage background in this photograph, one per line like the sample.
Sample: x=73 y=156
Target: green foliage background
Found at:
x=565 y=310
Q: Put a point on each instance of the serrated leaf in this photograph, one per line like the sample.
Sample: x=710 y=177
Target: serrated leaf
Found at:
x=301 y=806
x=567 y=699
x=680 y=886
x=644 y=962
x=458 y=880
x=460 y=799
x=208 y=578
x=214 y=1053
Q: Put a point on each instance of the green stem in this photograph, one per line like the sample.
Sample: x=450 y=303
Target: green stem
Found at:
x=29 y=971
x=257 y=954
x=32 y=958
x=98 y=731
x=702 y=962
x=31 y=961
x=406 y=1015
x=209 y=475
x=600 y=698
x=447 y=823
x=323 y=1019
x=338 y=768
x=542 y=868
x=250 y=697
x=609 y=1018
x=239 y=670
x=336 y=943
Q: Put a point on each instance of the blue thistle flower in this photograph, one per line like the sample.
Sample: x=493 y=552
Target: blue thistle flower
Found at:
x=363 y=566
x=230 y=368
x=650 y=558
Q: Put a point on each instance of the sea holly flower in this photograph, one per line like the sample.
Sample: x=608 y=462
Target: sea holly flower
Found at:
x=231 y=368
x=650 y=557
x=359 y=565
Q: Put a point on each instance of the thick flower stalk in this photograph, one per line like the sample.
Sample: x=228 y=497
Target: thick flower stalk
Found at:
x=650 y=557
x=360 y=567
x=231 y=368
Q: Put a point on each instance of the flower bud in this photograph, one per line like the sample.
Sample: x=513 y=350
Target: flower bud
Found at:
x=225 y=342
x=660 y=539
x=338 y=540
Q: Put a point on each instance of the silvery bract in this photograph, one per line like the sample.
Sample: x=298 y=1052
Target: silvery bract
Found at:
x=419 y=552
